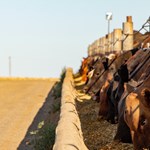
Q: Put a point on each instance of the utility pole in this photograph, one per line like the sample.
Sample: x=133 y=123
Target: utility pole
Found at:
x=9 y=58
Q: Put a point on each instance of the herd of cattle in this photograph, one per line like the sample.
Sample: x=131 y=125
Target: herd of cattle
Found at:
x=120 y=82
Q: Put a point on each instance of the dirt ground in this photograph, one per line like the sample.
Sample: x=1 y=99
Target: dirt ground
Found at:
x=21 y=109
x=98 y=134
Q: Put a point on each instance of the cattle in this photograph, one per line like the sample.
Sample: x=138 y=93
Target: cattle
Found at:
x=101 y=78
x=121 y=84
x=130 y=108
x=128 y=72
x=103 y=101
x=86 y=65
x=104 y=70
x=112 y=115
x=137 y=115
x=99 y=68
x=106 y=106
x=111 y=66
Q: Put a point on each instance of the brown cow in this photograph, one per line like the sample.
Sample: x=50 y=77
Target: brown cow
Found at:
x=85 y=67
x=111 y=67
x=103 y=105
x=132 y=108
x=99 y=68
x=108 y=106
x=140 y=72
x=129 y=72
x=137 y=115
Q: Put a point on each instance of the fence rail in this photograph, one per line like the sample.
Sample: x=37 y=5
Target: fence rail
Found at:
x=117 y=41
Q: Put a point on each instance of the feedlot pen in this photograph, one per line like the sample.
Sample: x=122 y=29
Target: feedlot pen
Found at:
x=98 y=134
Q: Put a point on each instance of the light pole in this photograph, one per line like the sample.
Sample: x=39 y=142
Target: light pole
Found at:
x=108 y=18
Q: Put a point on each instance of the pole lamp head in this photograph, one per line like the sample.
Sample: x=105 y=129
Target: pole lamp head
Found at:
x=109 y=16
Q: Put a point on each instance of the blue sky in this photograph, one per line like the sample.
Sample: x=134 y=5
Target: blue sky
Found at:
x=44 y=36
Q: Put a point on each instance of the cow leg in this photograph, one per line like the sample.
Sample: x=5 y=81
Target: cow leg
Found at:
x=123 y=132
x=111 y=113
x=111 y=108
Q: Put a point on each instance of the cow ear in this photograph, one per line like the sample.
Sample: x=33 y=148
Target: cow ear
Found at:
x=146 y=94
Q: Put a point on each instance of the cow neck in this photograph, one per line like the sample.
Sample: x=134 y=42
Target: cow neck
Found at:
x=101 y=74
x=124 y=57
x=131 y=52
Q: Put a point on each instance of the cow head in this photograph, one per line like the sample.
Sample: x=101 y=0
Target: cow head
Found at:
x=137 y=117
x=103 y=105
x=123 y=73
x=98 y=68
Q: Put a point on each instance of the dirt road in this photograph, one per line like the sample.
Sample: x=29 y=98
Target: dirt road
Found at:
x=20 y=100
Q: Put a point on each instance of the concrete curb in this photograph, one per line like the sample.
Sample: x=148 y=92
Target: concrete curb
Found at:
x=68 y=131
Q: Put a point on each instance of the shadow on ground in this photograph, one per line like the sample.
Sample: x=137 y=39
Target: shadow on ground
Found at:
x=45 y=114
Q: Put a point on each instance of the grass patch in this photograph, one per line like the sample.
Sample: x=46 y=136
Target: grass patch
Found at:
x=45 y=133
x=56 y=106
x=58 y=86
x=44 y=136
